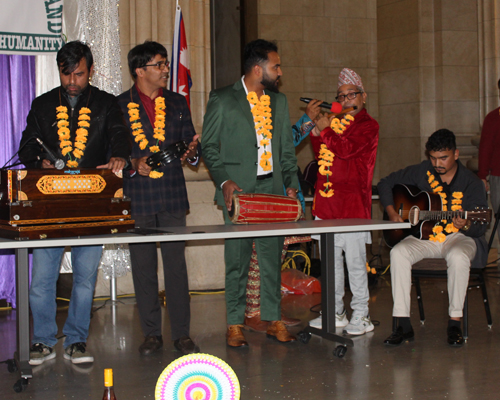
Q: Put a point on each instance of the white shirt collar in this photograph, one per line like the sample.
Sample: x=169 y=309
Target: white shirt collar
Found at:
x=245 y=86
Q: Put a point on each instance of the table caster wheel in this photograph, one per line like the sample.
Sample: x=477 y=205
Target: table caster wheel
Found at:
x=340 y=351
x=304 y=336
x=21 y=385
x=11 y=365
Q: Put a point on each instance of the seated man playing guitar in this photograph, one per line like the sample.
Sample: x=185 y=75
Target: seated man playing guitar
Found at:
x=455 y=239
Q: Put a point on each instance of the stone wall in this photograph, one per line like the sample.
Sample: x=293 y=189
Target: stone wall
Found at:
x=425 y=64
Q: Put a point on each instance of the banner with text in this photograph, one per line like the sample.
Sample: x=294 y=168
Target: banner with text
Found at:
x=30 y=27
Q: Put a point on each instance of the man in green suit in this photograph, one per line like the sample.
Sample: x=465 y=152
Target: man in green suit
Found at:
x=247 y=145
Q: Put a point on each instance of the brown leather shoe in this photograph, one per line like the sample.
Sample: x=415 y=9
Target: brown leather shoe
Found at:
x=277 y=330
x=150 y=345
x=290 y=321
x=234 y=336
x=254 y=323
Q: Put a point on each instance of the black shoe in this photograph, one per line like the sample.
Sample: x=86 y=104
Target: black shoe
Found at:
x=398 y=336
x=186 y=346
x=455 y=337
x=151 y=345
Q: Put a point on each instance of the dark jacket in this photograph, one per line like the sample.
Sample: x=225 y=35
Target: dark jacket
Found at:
x=168 y=193
x=464 y=181
x=107 y=135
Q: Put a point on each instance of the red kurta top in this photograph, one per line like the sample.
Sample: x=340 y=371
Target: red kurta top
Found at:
x=489 y=162
x=355 y=153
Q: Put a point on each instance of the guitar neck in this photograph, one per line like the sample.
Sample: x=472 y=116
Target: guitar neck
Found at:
x=441 y=215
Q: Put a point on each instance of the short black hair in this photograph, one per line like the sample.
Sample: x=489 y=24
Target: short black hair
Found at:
x=441 y=140
x=70 y=55
x=141 y=54
x=256 y=53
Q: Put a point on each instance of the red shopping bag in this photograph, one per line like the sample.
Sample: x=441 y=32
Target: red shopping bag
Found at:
x=296 y=282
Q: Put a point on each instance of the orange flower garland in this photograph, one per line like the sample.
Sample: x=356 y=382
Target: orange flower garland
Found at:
x=325 y=162
x=444 y=227
x=64 y=134
x=326 y=156
x=261 y=112
x=136 y=125
x=339 y=126
x=159 y=128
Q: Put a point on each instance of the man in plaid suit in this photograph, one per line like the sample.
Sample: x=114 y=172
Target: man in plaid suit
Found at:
x=158 y=118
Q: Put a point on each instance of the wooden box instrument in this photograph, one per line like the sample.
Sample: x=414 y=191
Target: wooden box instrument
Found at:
x=50 y=203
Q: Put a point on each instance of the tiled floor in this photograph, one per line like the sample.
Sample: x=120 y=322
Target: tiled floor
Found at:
x=424 y=369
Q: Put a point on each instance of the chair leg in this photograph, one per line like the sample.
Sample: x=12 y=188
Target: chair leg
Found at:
x=419 y=299
x=466 y=318
x=482 y=283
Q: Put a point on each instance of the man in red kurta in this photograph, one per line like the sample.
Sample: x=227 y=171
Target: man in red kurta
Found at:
x=489 y=162
x=343 y=190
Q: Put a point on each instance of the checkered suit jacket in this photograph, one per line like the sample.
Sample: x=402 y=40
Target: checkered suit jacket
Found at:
x=149 y=196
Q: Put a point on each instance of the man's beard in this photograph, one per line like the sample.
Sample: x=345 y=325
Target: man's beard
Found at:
x=270 y=84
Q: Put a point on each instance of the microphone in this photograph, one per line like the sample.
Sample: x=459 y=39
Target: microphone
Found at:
x=329 y=106
x=58 y=163
x=335 y=108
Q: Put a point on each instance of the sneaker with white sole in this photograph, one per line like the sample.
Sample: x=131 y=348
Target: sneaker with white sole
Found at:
x=340 y=321
x=77 y=353
x=359 y=326
x=40 y=353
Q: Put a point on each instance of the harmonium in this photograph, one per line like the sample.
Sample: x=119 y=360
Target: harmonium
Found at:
x=50 y=203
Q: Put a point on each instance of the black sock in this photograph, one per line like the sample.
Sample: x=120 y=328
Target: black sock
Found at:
x=452 y=322
x=404 y=322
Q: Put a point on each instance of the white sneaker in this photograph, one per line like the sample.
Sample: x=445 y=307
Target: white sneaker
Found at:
x=340 y=321
x=77 y=353
x=359 y=326
x=40 y=353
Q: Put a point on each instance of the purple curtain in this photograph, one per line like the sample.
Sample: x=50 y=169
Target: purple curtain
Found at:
x=17 y=82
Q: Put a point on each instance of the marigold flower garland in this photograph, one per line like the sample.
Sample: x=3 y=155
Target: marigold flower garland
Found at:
x=261 y=112
x=325 y=162
x=159 y=128
x=326 y=156
x=444 y=227
x=339 y=126
x=65 y=135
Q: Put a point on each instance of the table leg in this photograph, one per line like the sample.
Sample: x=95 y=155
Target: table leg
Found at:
x=327 y=331
x=22 y=355
x=112 y=288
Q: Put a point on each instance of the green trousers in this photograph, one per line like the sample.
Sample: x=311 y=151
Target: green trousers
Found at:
x=237 y=254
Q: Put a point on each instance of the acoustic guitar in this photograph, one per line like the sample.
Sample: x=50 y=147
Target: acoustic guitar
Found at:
x=422 y=209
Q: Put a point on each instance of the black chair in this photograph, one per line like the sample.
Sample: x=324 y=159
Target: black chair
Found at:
x=437 y=268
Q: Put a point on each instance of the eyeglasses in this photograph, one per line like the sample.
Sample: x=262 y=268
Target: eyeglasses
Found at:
x=350 y=96
x=160 y=65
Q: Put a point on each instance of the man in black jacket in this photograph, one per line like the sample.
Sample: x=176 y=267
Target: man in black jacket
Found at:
x=82 y=126
x=456 y=240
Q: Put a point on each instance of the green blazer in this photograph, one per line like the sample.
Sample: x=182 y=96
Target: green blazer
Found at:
x=229 y=141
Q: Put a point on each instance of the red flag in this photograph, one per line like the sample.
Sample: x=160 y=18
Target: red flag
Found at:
x=180 y=75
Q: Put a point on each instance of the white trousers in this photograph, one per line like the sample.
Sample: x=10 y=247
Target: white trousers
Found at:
x=458 y=250
x=353 y=246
